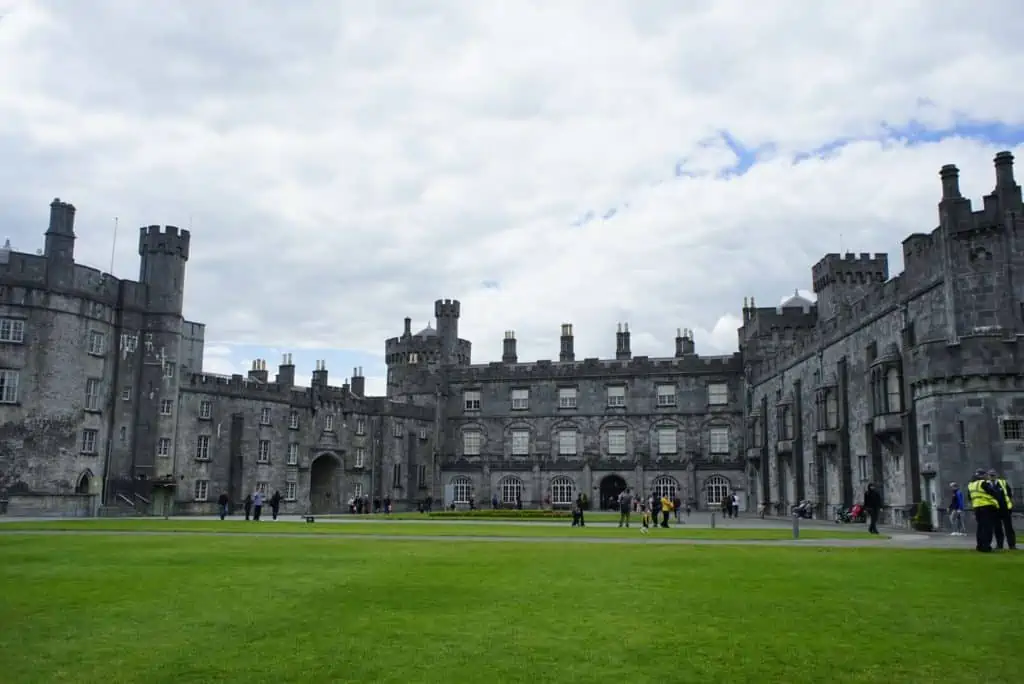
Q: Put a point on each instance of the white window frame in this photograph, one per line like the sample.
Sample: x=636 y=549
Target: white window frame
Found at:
x=96 y=343
x=329 y=423
x=472 y=442
x=716 y=488
x=90 y=441
x=170 y=369
x=263 y=451
x=893 y=390
x=511 y=490
x=93 y=387
x=205 y=409
x=423 y=433
x=520 y=442
x=520 y=399
x=665 y=486
x=471 y=400
x=616 y=396
x=396 y=475
x=293 y=420
x=926 y=434
x=126 y=393
x=265 y=415
x=421 y=476
x=201 y=490
x=203 y=448
x=12 y=330
x=9 y=382
x=568 y=443
x=397 y=429
x=666 y=394
x=462 y=490
x=718 y=394
x=414 y=358
x=831 y=409
x=617 y=441
x=357 y=490
x=719 y=440
x=166 y=407
x=668 y=440
x=291 y=490
x=263 y=488
x=293 y=454
x=163 y=446
x=360 y=426
x=360 y=460
x=563 y=491
x=1012 y=429
x=566 y=397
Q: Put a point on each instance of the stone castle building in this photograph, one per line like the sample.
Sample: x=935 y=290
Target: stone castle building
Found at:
x=907 y=382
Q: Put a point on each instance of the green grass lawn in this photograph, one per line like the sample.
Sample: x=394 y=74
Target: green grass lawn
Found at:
x=185 y=609
x=446 y=529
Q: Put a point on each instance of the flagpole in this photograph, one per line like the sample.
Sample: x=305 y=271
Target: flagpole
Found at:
x=113 y=247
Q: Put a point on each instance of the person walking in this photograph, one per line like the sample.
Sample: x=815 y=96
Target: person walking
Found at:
x=986 y=507
x=247 y=505
x=625 y=507
x=956 y=512
x=257 y=504
x=873 y=505
x=223 y=503
x=275 y=504
x=1002 y=526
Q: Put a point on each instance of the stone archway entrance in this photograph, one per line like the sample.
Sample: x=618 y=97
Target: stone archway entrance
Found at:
x=611 y=487
x=84 y=485
x=324 y=484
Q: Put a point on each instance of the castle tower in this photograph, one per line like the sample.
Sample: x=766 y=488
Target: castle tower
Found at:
x=60 y=242
x=162 y=267
x=446 y=311
x=843 y=279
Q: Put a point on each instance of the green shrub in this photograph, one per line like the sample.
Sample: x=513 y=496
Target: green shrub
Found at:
x=502 y=514
x=922 y=521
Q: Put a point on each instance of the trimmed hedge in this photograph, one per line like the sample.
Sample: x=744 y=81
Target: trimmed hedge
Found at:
x=922 y=522
x=502 y=514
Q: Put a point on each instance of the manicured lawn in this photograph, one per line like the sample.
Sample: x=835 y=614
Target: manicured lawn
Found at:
x=447 y=529
x=197 y=609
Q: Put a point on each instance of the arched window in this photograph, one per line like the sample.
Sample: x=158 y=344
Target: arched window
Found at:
x=511 y=490
x=716 y=488
x=666 y=486
x=562 y=490
x=893 y=390
x=463 y=487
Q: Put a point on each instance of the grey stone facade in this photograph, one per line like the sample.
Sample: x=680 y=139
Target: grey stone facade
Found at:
x=908 y=382
x=911 y=382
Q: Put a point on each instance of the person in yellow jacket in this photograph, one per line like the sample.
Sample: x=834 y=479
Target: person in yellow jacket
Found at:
x=1002 y=526
x=986 y=508
x=666 y=510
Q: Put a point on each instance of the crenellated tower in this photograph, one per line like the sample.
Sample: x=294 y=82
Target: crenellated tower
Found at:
x=446 y=313
x=843 y=279
x=414 y=359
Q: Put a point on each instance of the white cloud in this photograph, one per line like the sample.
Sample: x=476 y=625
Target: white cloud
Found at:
x=344 y=164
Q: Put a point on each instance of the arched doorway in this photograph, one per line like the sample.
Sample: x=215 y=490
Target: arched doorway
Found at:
x=84 y=485
x=611 y=487
x=323 y=484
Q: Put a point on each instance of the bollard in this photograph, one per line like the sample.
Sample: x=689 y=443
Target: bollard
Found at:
x=712 y=520
x=796 y=526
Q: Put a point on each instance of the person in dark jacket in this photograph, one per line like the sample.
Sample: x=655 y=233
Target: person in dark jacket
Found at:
x=247 y=505
x=985 y=503
x=222 y=504
x=873 y=506
x=1002 y=525
x=275 y=504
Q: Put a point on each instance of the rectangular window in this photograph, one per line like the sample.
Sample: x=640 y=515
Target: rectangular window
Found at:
x=293 y=454
x=264 y=416
x=126 y=393
x=758 y=432
x=357 y=489
x=329 y=423
x=963 y=433
x=718 y=394
x=398 y=430
x=831 y=409
x=666 y=395
x=201 y=490
x=12 y=330
x=567 y=442
x=92 y=394
x=719 y=440
x=203 y=448
x=360 y=426
x=520 y=442
x=9 y=386
x=893 y=390
x=360 y=457
x=423 y=433
x=617 y=396
x=166 y=407
x=785 y=422
x=566 y=397
x=163 y=446
x=293 y=420
x=97 y=343
x=616 y=441
x=205 y=410
x=471 y=400
x=1013 y=430
x=170 y=369
x=862 y=462
x=263 y=455
x=667 y=443
x=926 y=435
x=263 y=488
x=396 y=475
x=290 y=490
x=421 y=476
x=123 y=434
x=520 y=399
x=471 y=440
x=89 y=439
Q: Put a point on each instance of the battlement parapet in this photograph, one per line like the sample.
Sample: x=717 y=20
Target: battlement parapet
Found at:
x=170 y=241
x=447 y=308
x=597 y=368
x=850 y=268
x=990 y=352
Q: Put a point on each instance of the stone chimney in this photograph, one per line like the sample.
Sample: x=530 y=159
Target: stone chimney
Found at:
x=567 y=353
x=358 y=382
x=408 y=327
x=286 y=371
x=258 y=372
x=684 y=342
x=508 y=351
x=622 y=350
x=320 y=374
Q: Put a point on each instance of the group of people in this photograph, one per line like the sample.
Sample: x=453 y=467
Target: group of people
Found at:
x=992 y=500
x=253 y=505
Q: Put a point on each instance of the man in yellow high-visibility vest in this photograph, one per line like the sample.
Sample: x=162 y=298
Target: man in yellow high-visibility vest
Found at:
x=986 y=508
x=1003 y=524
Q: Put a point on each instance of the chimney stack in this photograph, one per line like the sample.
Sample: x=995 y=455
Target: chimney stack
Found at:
x=408 y=327
x=1004 y=170
x=358 y=382
x=950 y=176
x=567 y=353
x=684 y=342
x=286 y=371
x=508 y=352
x=258 y=372
x=320 y=374
x=622 y=350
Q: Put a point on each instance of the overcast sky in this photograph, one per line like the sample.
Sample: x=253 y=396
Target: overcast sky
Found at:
x=344 y=163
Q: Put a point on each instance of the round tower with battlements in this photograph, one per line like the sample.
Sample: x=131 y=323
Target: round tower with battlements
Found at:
x=414 y=358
